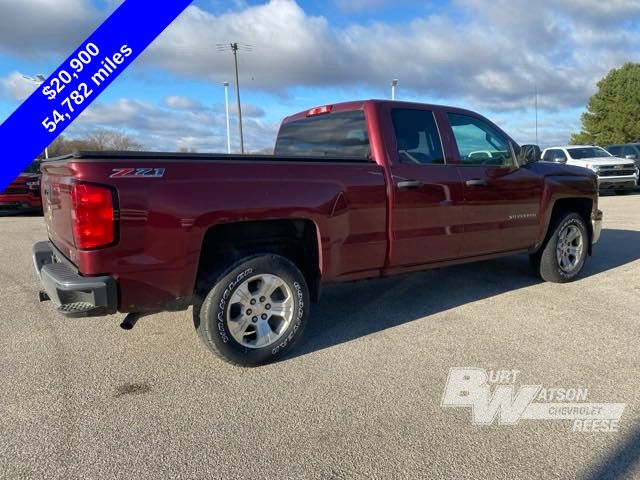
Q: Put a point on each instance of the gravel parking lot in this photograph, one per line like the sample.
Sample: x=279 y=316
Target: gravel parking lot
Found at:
x=359 y=398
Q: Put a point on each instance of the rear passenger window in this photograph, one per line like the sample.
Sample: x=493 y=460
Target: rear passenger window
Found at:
x=417 y=137
x=334 y=134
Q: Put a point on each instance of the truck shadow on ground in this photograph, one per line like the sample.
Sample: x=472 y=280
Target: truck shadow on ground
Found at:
x=350 y=311
x=613 y=194
x=621 y=462
x=20 y=213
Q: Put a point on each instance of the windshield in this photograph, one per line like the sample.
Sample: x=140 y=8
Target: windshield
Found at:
x=588 y=152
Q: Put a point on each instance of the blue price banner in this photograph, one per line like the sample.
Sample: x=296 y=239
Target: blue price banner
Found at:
x=80 y=79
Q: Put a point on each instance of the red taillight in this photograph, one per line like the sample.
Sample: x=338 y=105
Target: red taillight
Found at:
x=93 y=216
x=319 y=111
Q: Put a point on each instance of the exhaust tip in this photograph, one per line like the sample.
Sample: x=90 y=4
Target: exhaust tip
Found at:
x=132 y=318
x=130 y=321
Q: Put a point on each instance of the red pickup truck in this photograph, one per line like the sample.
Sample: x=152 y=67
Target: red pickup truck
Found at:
x=24 y=192
x=353 y=191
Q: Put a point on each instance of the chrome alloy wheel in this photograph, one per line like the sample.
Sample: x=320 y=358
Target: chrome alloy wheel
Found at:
x=260 y=311
x=569 y=248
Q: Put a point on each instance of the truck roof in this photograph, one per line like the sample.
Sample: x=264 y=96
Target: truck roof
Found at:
x=360 y=104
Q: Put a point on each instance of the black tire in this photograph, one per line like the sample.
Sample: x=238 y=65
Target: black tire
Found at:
x=212 y=305
x=545 y=262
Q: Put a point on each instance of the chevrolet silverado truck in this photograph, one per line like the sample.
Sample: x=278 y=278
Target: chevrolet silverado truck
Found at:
x=616 y=174
x=353 y=191
x=23 y=193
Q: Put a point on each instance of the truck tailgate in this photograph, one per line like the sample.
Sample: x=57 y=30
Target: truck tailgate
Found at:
x=57 y=178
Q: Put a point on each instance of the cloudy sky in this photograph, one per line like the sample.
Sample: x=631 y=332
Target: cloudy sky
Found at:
x=489 y=56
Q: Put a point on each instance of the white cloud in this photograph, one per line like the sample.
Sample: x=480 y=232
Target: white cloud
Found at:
x=177 y=102
x=490 y=58
x=40 y=27
x=599 y=11
x=16 y=87
x=289 y=47
x=167 y=128
x=494 y=59
x=520 y=14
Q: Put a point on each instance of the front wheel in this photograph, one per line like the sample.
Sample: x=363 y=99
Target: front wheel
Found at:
x=253 y=311
x=564 y=253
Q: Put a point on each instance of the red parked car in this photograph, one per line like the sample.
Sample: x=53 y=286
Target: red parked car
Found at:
x=24 y=192
x=353 y=191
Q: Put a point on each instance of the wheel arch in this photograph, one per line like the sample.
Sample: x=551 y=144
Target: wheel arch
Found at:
x=580 y=205
x=296 y=239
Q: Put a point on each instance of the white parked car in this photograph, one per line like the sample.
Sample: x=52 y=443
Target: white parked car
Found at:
x=617 y=174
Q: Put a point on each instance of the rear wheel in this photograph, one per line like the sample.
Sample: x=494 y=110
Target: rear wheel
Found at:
x=564 y=253
x=253 y=311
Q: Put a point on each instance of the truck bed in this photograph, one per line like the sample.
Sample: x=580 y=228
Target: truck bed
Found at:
x=162 y=220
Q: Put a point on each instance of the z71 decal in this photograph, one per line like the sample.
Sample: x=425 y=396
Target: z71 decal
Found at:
x=137 y=173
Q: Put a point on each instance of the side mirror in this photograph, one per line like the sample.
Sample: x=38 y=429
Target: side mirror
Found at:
x=529 y=154
x=631 y=157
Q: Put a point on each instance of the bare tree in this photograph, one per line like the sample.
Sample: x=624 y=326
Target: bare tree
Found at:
x=263 y=151
x=99 y=140
x=187 y=150
x=103 y=139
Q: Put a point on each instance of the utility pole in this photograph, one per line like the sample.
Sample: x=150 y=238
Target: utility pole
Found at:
x=234 y=49
x=226 y=107
x=394 y=84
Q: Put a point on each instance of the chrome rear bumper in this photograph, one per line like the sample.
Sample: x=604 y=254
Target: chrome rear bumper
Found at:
x=75 y=295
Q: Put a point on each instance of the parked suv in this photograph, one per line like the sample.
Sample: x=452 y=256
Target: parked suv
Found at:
x=619 y=175
x=630 y=151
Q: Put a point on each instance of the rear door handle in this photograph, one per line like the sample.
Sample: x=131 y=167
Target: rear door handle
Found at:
x=476 y=182
x=410 y=184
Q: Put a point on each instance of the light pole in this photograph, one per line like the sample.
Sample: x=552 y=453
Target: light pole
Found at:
x=226 y=107
x=39 y=80
x=536 y=114
x=234 y=49
x=394 y=84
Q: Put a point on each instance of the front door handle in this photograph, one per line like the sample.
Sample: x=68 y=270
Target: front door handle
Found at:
x=476 y=182
x=410 y=184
